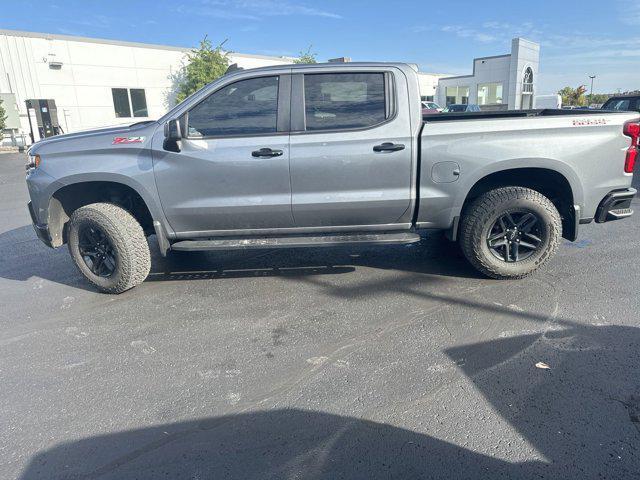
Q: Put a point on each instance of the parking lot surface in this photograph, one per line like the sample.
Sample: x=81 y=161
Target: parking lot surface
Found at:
x=396 y=362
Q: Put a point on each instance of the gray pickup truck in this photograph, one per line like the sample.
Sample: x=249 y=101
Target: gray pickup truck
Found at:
x=325 y=155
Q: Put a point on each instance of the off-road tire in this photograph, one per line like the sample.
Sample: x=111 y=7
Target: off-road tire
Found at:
x=481 y=215
x=127 y=238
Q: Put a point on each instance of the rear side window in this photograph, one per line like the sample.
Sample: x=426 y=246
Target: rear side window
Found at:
x=622 y=104
x=247 y=107
x=338 y=101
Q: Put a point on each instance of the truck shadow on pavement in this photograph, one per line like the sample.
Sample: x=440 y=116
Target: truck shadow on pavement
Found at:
x=578 y=419
x=23 y=257
x=433 y=255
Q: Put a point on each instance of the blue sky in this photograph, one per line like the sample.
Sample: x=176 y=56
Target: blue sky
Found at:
x=578 y=38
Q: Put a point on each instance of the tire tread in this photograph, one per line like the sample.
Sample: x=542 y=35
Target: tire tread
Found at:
x=476 y=215
x=131 y=242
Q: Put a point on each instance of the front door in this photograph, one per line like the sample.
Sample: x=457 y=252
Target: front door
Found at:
x=232 y=172
x=351 y=156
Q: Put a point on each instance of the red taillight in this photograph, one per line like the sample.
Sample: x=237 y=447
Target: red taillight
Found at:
x=632 y=129
x=630 y=162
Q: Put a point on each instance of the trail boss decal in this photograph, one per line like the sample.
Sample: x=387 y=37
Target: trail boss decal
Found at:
x=127 y=140
x=587 y=122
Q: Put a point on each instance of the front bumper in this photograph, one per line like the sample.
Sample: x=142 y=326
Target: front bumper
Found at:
x=42 y=231
x=616 y=205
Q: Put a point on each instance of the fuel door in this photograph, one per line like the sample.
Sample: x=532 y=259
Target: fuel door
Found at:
x=445 y=172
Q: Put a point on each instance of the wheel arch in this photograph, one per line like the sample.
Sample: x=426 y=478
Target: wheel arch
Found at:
x=86 y=190
x=559 y=185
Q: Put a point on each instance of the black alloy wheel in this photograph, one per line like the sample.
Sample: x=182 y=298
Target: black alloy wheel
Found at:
x=97 y=251
x=515 y=236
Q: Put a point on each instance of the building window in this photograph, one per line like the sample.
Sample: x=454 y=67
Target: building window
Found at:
x=138 y=102
x=527 y=90
x=489 y=93
x=126 y=101
x=121 y=102
x=338 y=101
x=457 y=95
x=527 y=83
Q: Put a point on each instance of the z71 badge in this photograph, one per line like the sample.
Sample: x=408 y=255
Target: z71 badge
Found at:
x=127 y=140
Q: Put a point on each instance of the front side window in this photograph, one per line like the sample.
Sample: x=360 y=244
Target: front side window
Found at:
x=246 y=107
x=336 y=101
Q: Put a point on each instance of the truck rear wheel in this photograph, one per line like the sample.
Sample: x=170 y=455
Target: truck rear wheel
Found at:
x=510 y=232
x=109 y=247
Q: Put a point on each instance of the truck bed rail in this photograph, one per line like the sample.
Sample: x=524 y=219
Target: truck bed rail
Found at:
x=546 y=112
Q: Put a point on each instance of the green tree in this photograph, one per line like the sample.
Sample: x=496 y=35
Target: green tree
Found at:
x=306 y=57
x=205 y=64
x=574 y=96
x=3 y=117
x=599 y=98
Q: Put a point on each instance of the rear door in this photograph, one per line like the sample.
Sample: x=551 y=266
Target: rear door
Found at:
x=232 y=172
x=350 y=149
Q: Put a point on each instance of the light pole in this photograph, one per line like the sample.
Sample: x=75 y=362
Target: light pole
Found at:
x=592 y=77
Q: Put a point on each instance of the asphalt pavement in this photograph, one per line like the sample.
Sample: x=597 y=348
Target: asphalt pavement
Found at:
x=391 y=362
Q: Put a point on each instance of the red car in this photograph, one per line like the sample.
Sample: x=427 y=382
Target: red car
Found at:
x=429 y=108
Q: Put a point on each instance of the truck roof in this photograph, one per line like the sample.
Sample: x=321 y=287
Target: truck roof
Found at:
x=299 y=66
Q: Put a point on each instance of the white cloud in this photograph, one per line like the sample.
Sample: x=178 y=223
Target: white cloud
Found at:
x=630 y=13
x=493 y=32
x=568 y=58
x=470 y=33
x=254 y=9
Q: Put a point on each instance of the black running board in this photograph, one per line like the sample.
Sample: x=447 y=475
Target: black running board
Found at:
x=297 y=242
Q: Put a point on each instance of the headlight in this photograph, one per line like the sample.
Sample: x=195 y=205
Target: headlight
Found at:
x=33 y=162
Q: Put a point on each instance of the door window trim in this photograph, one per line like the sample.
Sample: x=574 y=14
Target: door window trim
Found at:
x=283 y=117
x=298 y=108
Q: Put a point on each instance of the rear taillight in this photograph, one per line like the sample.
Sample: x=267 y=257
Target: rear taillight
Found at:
x=632 y=130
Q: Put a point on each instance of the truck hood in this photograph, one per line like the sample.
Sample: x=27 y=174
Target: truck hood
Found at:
x=124 y=130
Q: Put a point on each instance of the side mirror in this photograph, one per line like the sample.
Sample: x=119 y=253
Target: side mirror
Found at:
x=172 y=136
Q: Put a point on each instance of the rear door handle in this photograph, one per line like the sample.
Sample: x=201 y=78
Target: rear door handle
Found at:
x=266 y=153
x=388 y=147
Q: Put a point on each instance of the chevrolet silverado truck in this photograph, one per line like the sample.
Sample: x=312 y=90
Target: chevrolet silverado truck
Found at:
x=325 y=155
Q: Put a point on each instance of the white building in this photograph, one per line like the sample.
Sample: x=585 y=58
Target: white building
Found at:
x=96 y=82
x=498 y=83
x=93 y=82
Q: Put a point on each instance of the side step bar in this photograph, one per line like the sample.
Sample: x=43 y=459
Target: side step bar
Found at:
x=297 y=242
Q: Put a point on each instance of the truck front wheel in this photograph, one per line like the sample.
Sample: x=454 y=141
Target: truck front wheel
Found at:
x=109 y=247
x=510 y=232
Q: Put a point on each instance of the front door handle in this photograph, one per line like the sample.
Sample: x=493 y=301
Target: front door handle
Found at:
x=388 y=147
x=266 y=153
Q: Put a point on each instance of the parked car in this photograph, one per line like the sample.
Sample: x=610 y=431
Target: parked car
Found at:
x=430 y=108
x=462 y=107
x=324 y=155
x=623 y=103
